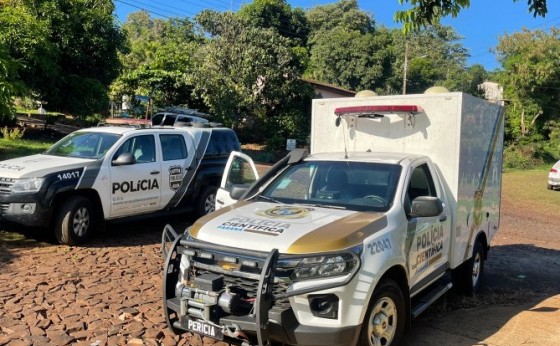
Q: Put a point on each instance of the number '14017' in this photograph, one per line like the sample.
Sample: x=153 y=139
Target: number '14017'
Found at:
x=69 y=175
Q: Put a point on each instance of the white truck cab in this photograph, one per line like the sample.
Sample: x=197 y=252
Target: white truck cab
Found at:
x=113 y=173
x=397 y=202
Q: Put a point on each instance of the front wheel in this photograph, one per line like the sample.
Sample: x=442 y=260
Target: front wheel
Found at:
x=384 y=322
x=207 y=201
x=74 y=222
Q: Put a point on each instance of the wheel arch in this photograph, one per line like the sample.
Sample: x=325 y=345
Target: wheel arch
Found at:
x=397 y=273
x=482 y=238
x=90 y=194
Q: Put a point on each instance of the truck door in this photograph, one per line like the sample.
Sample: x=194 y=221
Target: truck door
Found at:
x=176 y=160
x=240 y=171
x=136 y=188
x=428 y=238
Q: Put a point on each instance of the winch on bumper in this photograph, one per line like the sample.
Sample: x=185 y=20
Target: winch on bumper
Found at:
x=241 y=296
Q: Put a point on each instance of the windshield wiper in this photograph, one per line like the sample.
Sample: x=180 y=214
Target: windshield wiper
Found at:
x=329 y=206
x=269 y=199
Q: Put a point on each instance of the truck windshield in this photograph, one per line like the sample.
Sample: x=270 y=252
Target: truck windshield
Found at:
x=88 y=145
x=350 y=185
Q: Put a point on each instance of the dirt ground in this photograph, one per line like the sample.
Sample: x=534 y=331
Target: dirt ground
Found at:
x=109 y=292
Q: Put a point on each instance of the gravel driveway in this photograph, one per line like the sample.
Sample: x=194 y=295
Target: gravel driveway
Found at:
x=109 y=292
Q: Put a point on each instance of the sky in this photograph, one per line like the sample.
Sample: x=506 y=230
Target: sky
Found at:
x=480 y=25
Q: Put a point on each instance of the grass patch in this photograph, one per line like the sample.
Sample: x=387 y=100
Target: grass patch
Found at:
x=529 y=187
x=10 y=149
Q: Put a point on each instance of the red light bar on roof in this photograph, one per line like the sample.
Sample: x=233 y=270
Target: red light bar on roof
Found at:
x=365 y=110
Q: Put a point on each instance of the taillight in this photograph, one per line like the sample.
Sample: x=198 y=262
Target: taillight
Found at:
x=553 y=170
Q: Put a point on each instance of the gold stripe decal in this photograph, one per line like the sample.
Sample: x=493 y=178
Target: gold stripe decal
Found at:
x=209 y=217
x=344 y=233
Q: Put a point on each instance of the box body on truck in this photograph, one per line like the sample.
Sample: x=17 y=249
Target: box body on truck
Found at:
x=114 y=173
x=397 y=202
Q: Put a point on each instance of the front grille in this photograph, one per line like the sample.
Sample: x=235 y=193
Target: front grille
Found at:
x=6 y=185
x=250 y=286
x=4 y=206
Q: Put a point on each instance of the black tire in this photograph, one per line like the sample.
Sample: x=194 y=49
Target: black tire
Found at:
x=206 y=201
x=548 y=187
x=384 y=322
x=75 y=221
x=468 y=277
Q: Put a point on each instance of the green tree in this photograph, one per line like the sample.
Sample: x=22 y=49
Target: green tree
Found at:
x=530 y=75
x=159 y=60
x=355 y=54
x=428 y=12
x=61 y=43
x=249 y=73
x=7 y=86
x=342 y=14
x=345 y=49
x=279 y=15
x=350 y=59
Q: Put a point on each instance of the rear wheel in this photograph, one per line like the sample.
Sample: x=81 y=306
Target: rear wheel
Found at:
x=207 y=201
x=468 y=277
x=74 y=221
x=385 y=319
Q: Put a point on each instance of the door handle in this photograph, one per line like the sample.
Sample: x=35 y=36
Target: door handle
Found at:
x=154 y=172
x=443 y=218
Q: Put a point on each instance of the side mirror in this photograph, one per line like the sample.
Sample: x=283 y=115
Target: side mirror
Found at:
x=124 y=159
x=236 y=192
x=426 y=206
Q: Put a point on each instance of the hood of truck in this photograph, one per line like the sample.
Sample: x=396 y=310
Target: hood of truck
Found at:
x=39 y=165
x=292 y=229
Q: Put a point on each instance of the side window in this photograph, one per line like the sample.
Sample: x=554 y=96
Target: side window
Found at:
x=169 y=120
x=173 y=147
x=421 y=183
x=240 y=174
x=142 y=147
x=157 y=119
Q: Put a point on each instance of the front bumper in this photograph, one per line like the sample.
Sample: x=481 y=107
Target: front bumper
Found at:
x=24 y=210
x=200 y=308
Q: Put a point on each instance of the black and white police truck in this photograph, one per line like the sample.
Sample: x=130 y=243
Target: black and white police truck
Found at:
x=115 y=172
x=397 y=202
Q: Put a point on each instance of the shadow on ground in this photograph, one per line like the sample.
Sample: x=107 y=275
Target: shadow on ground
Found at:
x=518 y=279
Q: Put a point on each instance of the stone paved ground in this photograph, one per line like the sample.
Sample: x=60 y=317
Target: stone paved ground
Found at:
x=107 y=293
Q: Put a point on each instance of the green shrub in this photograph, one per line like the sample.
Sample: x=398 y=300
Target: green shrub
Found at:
x=13 y=133
x=530 y=155
x=275 y=143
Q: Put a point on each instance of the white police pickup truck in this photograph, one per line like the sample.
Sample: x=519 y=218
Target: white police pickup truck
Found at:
x=397 y=202
x=108 y=173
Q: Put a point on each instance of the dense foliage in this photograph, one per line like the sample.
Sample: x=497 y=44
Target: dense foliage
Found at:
x=65 y=50
x=249 y=68
x=158 y=61
x=530 y=76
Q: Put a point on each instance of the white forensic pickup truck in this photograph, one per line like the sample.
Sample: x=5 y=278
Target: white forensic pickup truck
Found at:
x=398 y=202
x=109 y=173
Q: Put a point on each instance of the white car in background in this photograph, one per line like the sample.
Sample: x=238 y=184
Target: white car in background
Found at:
x=554 y=177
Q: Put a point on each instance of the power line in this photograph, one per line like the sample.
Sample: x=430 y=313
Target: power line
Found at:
x=142 y=8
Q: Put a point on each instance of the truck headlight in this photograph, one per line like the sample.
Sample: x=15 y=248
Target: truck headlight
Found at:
x=27 y=185
x=328 y=265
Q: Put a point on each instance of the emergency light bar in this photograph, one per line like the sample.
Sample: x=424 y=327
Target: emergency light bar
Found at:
x=373 y=110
